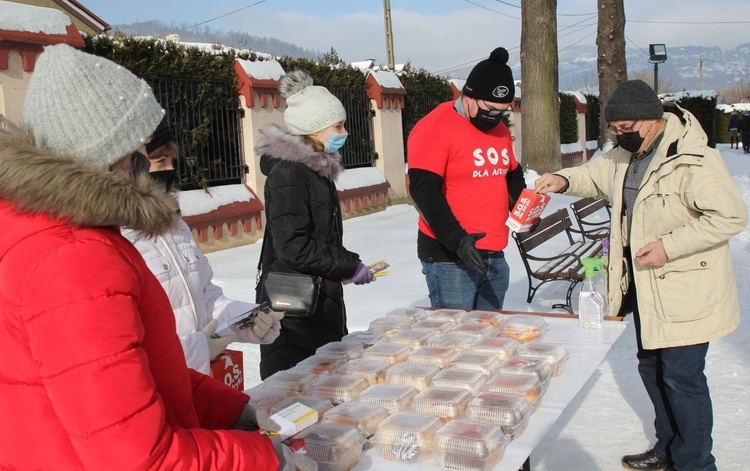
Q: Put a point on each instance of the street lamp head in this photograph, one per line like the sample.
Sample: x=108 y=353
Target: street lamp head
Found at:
x=657 y=53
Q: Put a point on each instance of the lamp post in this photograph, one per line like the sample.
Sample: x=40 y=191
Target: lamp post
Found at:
x=657 y=55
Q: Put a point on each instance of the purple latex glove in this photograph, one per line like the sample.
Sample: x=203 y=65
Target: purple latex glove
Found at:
x=362 y=275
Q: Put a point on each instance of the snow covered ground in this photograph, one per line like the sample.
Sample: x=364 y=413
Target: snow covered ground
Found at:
x=611 y=415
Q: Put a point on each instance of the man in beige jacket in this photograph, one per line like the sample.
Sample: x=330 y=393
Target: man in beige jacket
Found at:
x=674 y=207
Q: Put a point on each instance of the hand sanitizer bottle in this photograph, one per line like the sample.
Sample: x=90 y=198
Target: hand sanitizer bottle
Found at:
x=590 y=301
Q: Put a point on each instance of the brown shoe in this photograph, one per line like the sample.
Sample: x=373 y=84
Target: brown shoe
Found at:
x=647 y=461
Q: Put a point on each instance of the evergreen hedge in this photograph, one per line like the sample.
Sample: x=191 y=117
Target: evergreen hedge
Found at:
x=568 y=121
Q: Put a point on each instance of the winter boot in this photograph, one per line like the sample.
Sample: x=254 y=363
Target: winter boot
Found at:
x=647 y=461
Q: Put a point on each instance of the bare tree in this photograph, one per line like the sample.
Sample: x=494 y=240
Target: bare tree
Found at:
x=540 y=119
x=611 y=64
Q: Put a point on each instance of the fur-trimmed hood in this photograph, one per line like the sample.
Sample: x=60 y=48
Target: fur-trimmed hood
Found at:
x=35 y=181
x=277 y=144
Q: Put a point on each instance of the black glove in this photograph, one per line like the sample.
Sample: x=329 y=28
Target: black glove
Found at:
x=468 y=253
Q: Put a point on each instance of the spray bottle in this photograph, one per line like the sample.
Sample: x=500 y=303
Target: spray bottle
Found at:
x=590 y=301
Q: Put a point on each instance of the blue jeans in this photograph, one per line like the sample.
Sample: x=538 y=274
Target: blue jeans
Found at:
x=677 y=387
x=455 y=285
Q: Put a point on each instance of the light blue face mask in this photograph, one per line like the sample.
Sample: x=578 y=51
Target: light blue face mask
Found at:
x=335 y=142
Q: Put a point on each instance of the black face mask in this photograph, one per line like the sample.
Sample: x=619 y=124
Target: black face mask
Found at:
x=165 y=177
x=630 y=141
x=484 y=120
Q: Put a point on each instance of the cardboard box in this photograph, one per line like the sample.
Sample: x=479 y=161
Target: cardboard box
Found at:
x=294 y=419
x=228 y=368
x=527 y=211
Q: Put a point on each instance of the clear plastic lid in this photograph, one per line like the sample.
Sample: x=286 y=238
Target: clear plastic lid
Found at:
x=335 y=447
x=452 y=315
x=393 y=397
x=366 y=417
x=382 y=325
x=527 y=386
x=554 y=353
x=446 y=403
x=525 y=328
x=412 y=338
x=470 y=380
x=413 y=313
x=510 y=411
x=495 y=319
x=319 y=365
x=315 y=403
x=503 y=347
x=469 y=446
x=417 y=375
x=338 y=388
x=338 y=350
x=434 y=326
x=365 y=338
x=527 y=366
x=371 y=370
x=474 y=329
x=391 y=352
x=263 y=398
x=457 y=340
x=487 y=363
x=289 y=382
x=406 y=437
x=440 y=356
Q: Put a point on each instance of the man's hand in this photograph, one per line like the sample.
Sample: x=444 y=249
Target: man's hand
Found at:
x=652 y=255
x=216 y=346
x=549 y=183
x=291 y=461
x=252 y=419
x=468 y=253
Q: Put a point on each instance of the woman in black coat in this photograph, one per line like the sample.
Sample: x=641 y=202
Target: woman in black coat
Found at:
x=304 y=228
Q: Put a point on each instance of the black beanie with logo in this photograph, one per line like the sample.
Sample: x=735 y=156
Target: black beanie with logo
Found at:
x=491 y=79
x=633 y=100
x=161 y=136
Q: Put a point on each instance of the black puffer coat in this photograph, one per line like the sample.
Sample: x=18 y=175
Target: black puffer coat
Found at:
x=304 y=235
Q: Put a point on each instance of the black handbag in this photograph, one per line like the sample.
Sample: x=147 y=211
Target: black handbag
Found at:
x=295 y=294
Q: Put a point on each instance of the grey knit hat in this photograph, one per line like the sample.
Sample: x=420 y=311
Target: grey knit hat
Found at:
x=633 y=100
x=310 y=108
x=88 y=107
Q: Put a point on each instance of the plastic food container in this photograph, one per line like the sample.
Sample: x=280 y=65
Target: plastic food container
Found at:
x=487 y=363
x=289 y=382
x=446 y=403
x=263 y=398
x=452 y=315
x=502 y=347
x=393 y=397
x=527 y=386
x=335 y=447
x=319 y=365
x=527 y=366
x=470 y=380
x=366 y=417
x=434 y=326
x=457 y=340
x=554 y=353
x=371 y=370
x=391 y=352
x=340 y=350
x=411 y=338
x=382 y=325
x=338 y=388
x=464 y=445
x=415 y=314
x=495 y=319
x=364 y=338
x=474 y=329
x=406 y=437
x=417 y=375
x=440 y=356
x=525 y=328
x=510 y=411
x=321 y=406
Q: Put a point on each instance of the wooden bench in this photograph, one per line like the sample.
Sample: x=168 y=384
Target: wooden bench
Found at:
x=590 y=228
x=561 y=266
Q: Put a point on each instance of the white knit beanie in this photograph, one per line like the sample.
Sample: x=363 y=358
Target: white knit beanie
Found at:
x=309 y=108
x=88 y=107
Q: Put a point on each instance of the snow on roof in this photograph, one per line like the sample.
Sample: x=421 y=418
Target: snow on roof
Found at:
x=458 y=83
x=359 y=178
x=386 y=79
x=194 y=202
x=364 y=65
x=578 y=95
x=677 y=96
x=262 y=70
x=19 y=17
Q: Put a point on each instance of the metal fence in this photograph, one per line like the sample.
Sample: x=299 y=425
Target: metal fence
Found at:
x=417 y=105
x=205 y=118
x=359 y=150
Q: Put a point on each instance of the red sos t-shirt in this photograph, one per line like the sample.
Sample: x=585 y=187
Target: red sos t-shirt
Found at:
x=473 y=165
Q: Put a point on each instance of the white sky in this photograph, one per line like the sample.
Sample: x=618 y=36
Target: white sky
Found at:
x=611 y=415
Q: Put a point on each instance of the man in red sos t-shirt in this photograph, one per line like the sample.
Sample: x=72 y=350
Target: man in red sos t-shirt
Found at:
x=464 y=178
